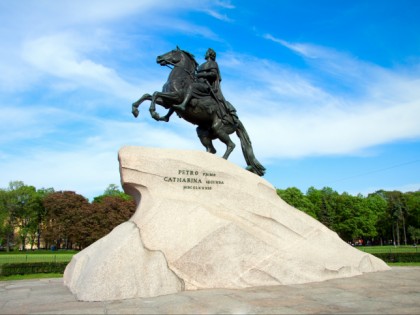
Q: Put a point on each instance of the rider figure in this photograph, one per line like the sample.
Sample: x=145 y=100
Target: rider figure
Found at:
x=208 y=83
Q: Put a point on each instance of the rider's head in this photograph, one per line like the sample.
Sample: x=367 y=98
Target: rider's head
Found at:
x=211 y=54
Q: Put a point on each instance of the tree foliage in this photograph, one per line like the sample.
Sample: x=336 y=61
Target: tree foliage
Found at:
x=65 y=212
x=105 y=215
x=21 y=213
x=113 y=191
x=381 y=217
x=293 y=196
x=63 y=219
x=73 y=222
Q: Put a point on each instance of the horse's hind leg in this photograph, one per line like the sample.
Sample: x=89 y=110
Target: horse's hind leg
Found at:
x=206 y=140
x=224 y=137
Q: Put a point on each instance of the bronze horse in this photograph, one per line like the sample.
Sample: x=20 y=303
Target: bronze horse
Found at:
x=200 y=111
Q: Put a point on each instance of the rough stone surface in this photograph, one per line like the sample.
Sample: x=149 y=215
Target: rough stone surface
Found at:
x=214 y=225
x=118 y=266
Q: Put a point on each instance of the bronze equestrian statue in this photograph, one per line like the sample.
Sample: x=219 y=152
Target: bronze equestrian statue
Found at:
x=194 y=94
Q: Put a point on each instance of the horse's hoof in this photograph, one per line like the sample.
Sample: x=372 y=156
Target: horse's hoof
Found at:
x=251 y=169
x=135 y=112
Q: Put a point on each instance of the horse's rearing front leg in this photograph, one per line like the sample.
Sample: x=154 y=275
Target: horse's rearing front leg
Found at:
x=168 y=115
x=152 y=108
x=136 y=104
x=163 y=99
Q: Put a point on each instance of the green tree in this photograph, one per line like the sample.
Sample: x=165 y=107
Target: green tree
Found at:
x=385 y=224
x=41 y=213
x=414 y=233
x=378 y=208
x=294 y=197
x=413 y=214
x=397 y=210
x=346 y=222
x=21 y=210
x=324 y=202
x=396 y=215
x=25 y=212
x=6 y=220
x=356 y=217
x=112 y=190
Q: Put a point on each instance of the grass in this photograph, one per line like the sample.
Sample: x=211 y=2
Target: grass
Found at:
x=40 y=252
x=404 y=264
x=36 y=256
x=388 y=249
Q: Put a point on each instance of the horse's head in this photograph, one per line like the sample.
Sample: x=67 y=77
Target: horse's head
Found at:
x=175 y=57
x=170 y=58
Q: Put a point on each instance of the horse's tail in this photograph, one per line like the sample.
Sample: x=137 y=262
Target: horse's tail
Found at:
x=253 y=164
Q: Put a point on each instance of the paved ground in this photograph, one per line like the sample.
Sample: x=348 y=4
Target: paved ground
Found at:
x=390 y=292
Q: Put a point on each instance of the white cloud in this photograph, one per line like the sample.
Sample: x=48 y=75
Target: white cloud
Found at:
x=63 y=55
x=303 y=49
x=43 y=14
x=327 y=132
x=66 y=38
x=219 y=16
x=290 y=113
x=337 y=64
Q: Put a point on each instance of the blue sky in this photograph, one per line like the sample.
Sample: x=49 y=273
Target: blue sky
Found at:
x=329 y=91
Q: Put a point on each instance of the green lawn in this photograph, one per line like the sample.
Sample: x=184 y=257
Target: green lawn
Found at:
x=404 y=264
x=381 y=250
x=389 y=249
x=36 y=256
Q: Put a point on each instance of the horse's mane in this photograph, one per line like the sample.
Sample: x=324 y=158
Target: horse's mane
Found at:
x=191 y=56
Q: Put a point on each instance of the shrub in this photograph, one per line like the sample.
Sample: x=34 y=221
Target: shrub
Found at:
x=31 y=268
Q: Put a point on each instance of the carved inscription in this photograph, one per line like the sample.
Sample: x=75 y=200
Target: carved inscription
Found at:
x=196 y=180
